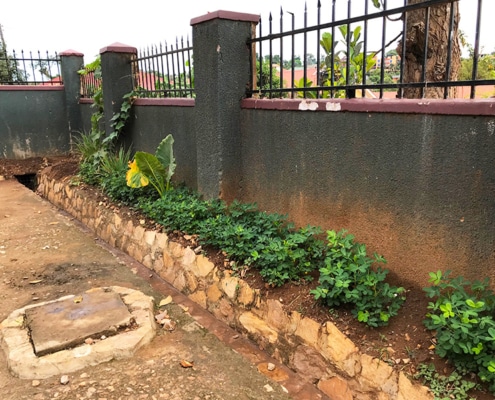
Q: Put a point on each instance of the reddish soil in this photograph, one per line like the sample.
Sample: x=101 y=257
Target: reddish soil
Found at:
x=404 y=343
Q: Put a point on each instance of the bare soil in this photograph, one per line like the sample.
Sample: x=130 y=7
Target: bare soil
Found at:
x=404 y=343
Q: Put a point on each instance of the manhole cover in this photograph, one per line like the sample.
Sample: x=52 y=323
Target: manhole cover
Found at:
x=66 y=323
x=58 y=329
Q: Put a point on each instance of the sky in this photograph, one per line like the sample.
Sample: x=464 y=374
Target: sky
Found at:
x=90 y=25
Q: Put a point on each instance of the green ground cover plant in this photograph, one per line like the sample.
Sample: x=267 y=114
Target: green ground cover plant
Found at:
x=348 y=277
x=462 y=314
x=445 y=387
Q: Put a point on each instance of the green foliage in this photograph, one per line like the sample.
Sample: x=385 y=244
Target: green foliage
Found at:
x=462 y=314
x=155 y=169
x=445 y=387
x=336 y=61
x=95 y=148
x=263 y=78
x=348 y=278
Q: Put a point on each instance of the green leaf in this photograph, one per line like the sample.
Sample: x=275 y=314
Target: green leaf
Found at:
x=165 y=155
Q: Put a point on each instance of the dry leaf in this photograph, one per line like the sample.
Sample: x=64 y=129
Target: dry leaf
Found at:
x=186 y=364
x=35 y=282
x=165 y=301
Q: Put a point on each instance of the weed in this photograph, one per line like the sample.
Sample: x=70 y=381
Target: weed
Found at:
x=445 y=387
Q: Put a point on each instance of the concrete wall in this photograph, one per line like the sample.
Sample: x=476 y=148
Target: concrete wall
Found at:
x=419 y=189
x=168 y=119
x=32 y=123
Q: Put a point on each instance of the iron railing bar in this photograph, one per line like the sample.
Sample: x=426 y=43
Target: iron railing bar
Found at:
x=305 y=46
x=332 y=55
x=270 y=44
x=384 y=32
x=348 y=44
x=476 y=48
x=449 y=46
x=380 y=14
x=165 y=53
x=281 y=63
x=365 y=49
x=403 y=55
x=425 y=53
x=318 y=51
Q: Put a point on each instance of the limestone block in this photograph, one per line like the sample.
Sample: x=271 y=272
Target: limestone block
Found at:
x=176 y=250
x=335 y=388
x=276 y=316
x=339 y=349
x=258 y=327
x=188 y=258
x=409 y=391
x=305 y=329
x=149 y=237
x=309 y=363
x=117 y=221
x=138 y=233
x=213 y=294
x=378 y=376
x=203 y=266
x=199 y=297
x=230 y=287
x=246 y=295
x=161 y=241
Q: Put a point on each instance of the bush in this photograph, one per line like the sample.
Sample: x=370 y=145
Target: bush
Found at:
x=348 y=278
x=462 y=314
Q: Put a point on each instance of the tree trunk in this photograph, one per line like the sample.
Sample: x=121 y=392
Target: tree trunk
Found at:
x=437 y=52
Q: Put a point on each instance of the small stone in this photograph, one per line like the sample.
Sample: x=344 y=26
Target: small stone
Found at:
x=142 y=221
x=270 y=367
x=168 y=324
x=84 y=375
x=64 y=379
x=35 y=383
x=268 y=388
x=89 y=341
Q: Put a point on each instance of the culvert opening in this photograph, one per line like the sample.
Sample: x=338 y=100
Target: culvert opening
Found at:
x=28 y=180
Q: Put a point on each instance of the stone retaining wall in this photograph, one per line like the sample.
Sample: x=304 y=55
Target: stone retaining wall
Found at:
x=320 y=352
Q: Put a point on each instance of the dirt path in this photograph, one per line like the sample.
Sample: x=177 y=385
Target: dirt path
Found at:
x=44 y=255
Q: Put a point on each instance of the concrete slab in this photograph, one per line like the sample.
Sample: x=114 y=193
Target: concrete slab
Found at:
x=24 y=363
x=69 y=322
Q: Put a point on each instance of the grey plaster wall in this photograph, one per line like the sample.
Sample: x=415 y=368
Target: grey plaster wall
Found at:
x=33 y=123
x=149 y=125
x=419 y=189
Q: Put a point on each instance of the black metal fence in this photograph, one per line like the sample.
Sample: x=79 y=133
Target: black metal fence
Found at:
x=162 y=71
x=383 y=52
x=29 y=69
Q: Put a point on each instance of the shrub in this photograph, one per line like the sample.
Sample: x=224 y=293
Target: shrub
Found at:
x=462 y=314
x=348 y=278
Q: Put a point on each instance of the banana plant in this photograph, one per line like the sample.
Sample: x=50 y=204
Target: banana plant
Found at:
x=156 y=169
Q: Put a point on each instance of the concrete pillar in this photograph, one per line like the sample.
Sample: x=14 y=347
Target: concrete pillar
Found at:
x=72 y=61
x=116 y=71
x=222 y=74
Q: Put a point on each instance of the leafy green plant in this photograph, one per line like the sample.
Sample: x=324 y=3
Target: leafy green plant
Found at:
x=156 y=169
x=445 y=387
x=462 y=314
x=348 y=278
x=95 y=147
x=358 y=63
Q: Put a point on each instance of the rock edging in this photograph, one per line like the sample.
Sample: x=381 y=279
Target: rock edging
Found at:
x=320 y=352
